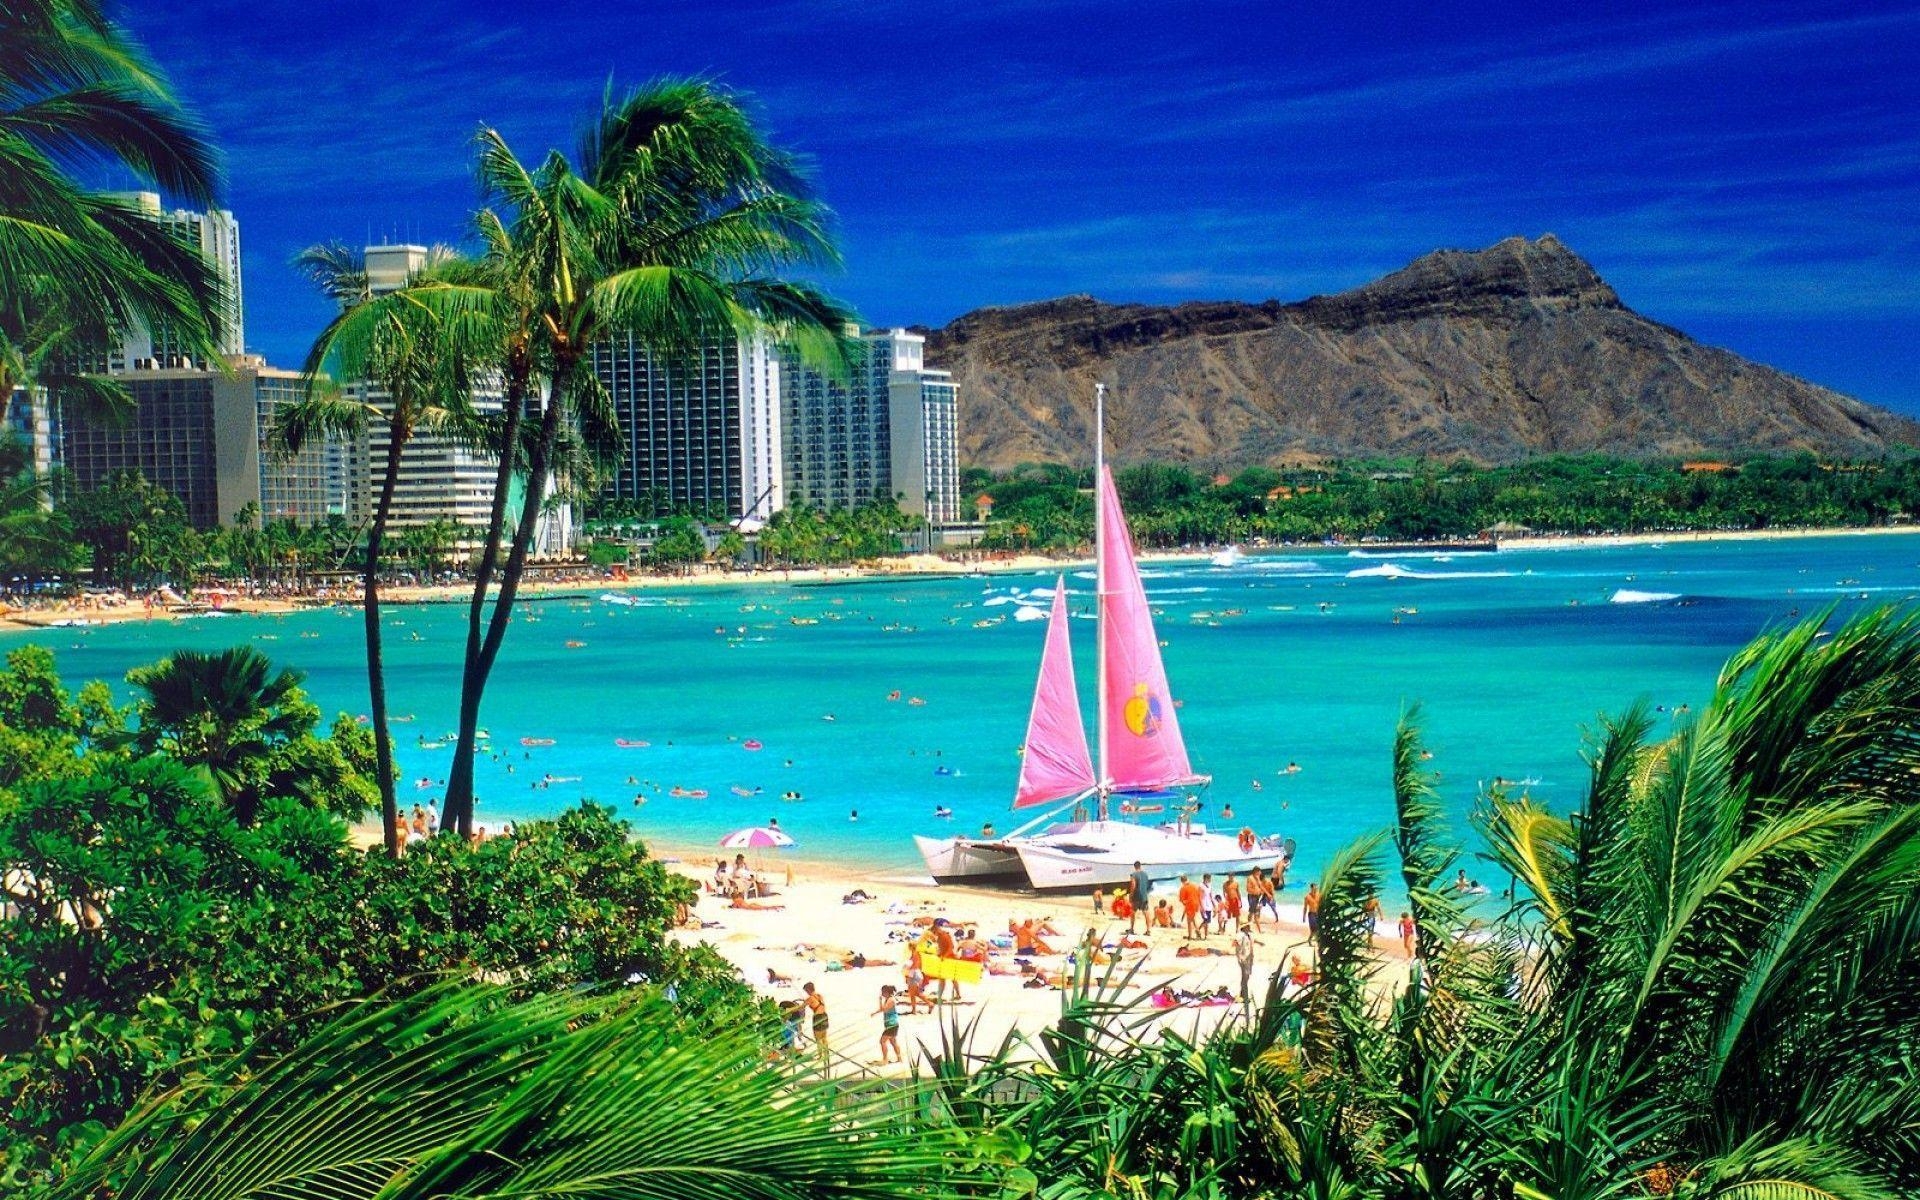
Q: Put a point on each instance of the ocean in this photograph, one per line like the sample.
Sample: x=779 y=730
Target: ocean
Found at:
x=1301 y=658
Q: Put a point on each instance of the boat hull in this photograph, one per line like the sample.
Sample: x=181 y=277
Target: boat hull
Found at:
x=963 y=860
x=1102 y=854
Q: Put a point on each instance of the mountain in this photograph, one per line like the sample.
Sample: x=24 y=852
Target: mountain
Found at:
x=1496 y=354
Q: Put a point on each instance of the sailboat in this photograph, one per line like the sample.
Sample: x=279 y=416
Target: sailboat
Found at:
x=1143 y=765
x=1056 y=767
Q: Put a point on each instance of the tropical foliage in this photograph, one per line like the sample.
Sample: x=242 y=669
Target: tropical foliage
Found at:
x=153 y=922
x=76 y=266
x=1698 y=989
x=463 y=1091
x=137 y=532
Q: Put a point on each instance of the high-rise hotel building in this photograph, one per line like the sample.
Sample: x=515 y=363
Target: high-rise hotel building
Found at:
x=701 y=431
x=883 y=429
x=216 y=235
x=441 y=478
x=923 y=413
x=197 y=430
x=203 y=435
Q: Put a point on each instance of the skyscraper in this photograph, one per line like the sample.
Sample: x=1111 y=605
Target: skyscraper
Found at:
x=216 y=235
x=883 y=431
x=701 y=432
x=926 y=444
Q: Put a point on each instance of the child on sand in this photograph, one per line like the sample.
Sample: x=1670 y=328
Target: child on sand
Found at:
x=889 y=1014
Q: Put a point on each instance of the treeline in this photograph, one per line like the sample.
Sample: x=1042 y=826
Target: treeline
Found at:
x=1051 y=507
x=131 y=534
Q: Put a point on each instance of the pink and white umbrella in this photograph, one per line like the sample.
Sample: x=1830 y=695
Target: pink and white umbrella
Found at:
x=757 y=838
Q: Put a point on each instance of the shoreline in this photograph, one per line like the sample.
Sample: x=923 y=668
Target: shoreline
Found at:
x=906 y=568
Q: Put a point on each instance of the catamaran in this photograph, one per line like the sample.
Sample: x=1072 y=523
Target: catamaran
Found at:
x=1143 y=764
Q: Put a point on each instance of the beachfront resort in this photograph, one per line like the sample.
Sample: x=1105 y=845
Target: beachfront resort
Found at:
x=573 y=667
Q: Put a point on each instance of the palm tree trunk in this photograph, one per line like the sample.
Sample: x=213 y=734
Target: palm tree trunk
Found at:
x=459 y=797
x=538 y=460
x=376 y=663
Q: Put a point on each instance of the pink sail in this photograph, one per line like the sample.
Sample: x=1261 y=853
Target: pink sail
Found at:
x=1141 y=744
x=1057 y=764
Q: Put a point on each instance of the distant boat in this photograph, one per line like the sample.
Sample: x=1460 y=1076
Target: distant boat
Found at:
x=1142 y=754
x=631 y=744
x=1232 y=556
x=533 y=741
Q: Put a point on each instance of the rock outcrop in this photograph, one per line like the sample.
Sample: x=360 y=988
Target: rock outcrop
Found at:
x=1497 y=354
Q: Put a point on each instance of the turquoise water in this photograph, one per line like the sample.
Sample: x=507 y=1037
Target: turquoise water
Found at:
x=1513 y=655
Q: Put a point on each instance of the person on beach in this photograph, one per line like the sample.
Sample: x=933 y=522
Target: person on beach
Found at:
x=1190 y=907
x=1255 y=898
x=1310 y=910
x=917 y=984
x=1230 y=902
x=1298 y=972
x=889 y=1014
x=944 y=947
x=1406 y=933
x=1162 y=914
x=1026 y=939
x=1374 y=916
x=1209 y=900
x=792 y=1013
x=1243 y=954
x=1097 y=908
x=817 y=1005
x=1142 y=885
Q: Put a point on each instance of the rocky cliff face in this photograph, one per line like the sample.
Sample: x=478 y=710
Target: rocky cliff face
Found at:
x=1496 y=354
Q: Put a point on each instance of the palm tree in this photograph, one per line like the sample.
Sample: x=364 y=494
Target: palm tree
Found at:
x=669 y=224
x=226 y=712
x=414 y=357
x=460 y=1091
x=1737 y=904
x=77 y=267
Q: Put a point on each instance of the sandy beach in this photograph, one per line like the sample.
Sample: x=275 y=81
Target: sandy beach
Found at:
x=103 y=613
x=808 y=931
x=811 y=930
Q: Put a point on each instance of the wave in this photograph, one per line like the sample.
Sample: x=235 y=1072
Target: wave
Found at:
x=1396 y=571
x=1632 y=596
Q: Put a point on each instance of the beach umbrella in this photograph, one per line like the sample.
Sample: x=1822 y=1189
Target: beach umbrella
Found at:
x=757 y=838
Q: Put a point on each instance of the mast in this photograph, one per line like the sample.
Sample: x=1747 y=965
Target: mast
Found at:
x=1100 y=586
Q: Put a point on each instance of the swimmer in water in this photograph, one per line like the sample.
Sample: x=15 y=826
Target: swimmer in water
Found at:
x=854 y=815
x=942 y=812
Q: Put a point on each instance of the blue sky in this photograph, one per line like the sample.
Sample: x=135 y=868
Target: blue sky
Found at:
x=1749 y=173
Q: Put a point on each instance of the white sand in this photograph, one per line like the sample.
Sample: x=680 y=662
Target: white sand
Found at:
x=814 y=927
